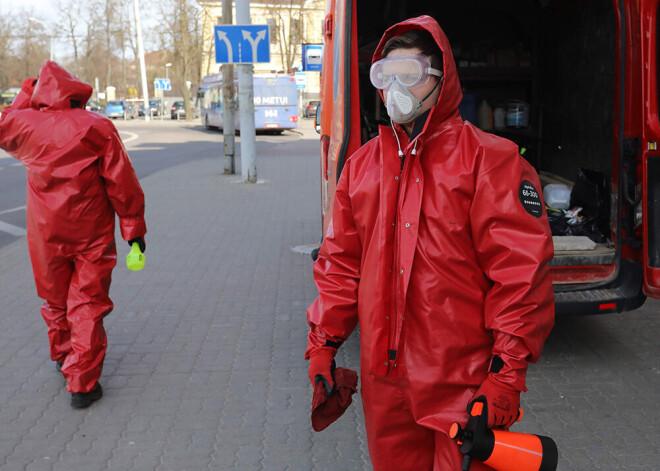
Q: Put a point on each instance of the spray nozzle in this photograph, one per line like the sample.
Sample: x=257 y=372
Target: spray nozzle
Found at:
x=135 y=258
x=500 y=449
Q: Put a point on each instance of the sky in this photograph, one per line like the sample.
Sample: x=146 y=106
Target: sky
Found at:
x=44 y=7
x=46 y=10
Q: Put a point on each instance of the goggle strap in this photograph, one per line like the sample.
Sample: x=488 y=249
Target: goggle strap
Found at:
x=436 y=72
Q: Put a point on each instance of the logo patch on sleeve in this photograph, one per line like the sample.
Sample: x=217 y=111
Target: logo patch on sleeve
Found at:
x=530 y=199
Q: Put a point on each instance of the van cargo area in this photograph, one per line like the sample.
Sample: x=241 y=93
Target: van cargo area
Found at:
x=560 y=61
x=543 y=74
x=521 y=54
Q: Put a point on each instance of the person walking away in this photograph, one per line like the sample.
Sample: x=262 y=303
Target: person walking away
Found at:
x=439 y=247
x=79 y=175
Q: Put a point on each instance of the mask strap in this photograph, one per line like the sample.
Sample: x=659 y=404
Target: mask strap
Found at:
x=429 y=94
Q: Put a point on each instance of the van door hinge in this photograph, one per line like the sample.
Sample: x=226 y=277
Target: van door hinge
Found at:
x=631 y=149
x=327 y=26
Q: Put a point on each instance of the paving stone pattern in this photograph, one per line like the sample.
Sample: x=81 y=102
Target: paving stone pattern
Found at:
x=205 y=366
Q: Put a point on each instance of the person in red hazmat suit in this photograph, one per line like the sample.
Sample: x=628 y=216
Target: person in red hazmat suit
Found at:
x=79 y=176
x=439 y=247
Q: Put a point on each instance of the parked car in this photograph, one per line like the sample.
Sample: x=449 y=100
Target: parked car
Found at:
x=310 y=109
x=154 y=107
x=7 y=97
x=178 y=110
x=120 y=109
x=93 y=105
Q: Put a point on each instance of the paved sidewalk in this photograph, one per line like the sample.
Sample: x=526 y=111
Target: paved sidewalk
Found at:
x=205 y=366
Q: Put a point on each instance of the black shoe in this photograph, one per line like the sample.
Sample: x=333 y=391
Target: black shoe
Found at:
x=58 y=365
x=83 y=400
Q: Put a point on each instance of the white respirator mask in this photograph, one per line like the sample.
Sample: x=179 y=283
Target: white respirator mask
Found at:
x=395 y=76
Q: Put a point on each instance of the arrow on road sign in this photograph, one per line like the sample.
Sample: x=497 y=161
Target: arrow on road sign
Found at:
x=222 y=36
x=254 y=42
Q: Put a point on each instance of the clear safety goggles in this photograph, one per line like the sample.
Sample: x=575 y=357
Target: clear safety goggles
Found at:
x=409 y=71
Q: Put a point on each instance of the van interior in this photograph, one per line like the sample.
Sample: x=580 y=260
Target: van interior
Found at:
x=538 y=72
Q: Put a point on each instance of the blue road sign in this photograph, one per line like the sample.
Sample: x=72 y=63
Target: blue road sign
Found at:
x=236 y=44
x=312 y=57
x=162 y=84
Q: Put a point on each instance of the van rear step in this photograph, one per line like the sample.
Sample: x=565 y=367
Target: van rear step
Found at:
x=571 y=251
x=623 y=294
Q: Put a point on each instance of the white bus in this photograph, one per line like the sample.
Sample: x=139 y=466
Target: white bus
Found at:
x=275 y=102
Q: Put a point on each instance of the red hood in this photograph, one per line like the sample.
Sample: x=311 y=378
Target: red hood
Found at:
x=451 y=93
x=56 y=87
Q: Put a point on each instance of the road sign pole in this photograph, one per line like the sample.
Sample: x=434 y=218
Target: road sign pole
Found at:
x=145 y=90
x=228 y=128
x=246 y=105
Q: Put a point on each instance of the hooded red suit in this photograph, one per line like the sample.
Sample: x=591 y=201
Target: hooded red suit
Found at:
x=79 y=175
x=444 y=263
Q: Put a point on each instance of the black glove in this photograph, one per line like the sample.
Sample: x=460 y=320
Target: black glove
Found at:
x=140 y=242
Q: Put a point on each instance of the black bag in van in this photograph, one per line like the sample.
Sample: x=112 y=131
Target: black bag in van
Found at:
x=590 y=192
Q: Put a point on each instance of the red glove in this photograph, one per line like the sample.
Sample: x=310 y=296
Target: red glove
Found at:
x=321 y=364
x=326 y=409
x=503 y=402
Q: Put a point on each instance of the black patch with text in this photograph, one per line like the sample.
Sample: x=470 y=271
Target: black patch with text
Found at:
x=530 y=199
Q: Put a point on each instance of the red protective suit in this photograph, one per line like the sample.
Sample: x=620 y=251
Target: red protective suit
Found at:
x=444 y=263
x=79 y=175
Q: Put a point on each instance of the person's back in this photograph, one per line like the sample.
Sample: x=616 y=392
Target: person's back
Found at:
x=66 y=150
x=79 y=175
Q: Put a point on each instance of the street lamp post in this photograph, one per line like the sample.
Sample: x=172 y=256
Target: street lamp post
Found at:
x=36 y=20
x=143 y=70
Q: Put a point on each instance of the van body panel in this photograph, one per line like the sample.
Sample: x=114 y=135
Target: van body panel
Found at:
x=650 y=153
x=340 y=119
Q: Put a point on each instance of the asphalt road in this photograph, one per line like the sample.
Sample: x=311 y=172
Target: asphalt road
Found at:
x=152 y=147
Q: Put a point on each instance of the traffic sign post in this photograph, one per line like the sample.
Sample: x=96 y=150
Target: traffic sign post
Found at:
x=162 y=84
x=258 y=41
x=242 y=44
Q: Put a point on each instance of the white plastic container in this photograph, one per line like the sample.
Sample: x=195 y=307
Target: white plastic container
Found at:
x=557 y=195
x=499 y=117
x=485 y=115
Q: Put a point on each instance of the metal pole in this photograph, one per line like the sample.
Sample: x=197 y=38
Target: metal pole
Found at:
x=145 y=90
x=246 y=105
x=51 y=45
x=228 y=127
x=162 y=98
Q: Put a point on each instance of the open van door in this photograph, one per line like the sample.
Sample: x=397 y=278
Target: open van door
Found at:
x=340 y=120
x=651 y=147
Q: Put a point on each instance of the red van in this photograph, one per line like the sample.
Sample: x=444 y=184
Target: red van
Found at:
x=584 y=75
